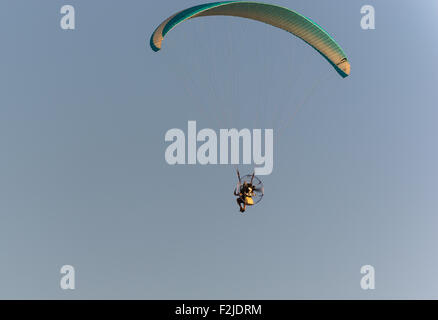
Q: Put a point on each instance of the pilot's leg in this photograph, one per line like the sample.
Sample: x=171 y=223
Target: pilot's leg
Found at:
x=240 y=202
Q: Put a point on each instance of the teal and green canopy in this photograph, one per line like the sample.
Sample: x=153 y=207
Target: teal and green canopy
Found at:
x=279 y=17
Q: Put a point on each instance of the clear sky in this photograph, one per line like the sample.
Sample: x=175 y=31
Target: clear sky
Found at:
x=83 y=179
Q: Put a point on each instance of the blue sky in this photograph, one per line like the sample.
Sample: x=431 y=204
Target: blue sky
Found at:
x=83 y=115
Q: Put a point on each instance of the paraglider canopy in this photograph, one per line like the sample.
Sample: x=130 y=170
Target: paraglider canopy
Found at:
x=277 y=16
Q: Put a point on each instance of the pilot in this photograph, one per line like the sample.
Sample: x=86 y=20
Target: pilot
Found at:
x=244 y=194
